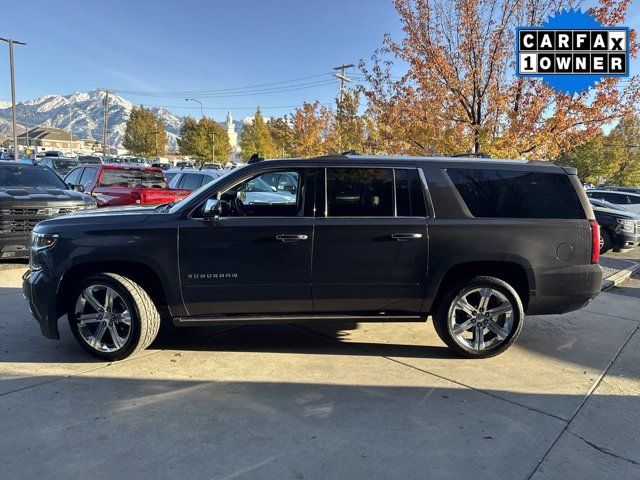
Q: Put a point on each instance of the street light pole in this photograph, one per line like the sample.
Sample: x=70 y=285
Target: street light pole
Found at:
x=196 y=100
x=11 y=41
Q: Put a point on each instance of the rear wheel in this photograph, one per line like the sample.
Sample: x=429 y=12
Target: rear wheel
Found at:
x=479 y=317
x=605 y=241
x=112 y=317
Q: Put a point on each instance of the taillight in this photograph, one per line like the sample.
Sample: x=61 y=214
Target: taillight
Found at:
x=595 y=241
x=136 y=197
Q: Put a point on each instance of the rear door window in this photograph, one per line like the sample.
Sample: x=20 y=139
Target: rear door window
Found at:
x=191 y=181
x=516 y=194
x=74 y=177
x=360 y=192
x=409 y=194
x=88 y=176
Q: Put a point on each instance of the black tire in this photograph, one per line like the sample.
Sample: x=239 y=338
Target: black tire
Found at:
x=605 y=241
x=144 y=316
x=445 y=309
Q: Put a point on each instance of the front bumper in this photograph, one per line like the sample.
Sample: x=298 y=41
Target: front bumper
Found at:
x=14 y=245
x=40 y=293
x=626 y=240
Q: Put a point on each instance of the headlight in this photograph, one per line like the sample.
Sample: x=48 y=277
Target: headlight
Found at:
x=39 y=243
x=626 y=225
x=89 y=205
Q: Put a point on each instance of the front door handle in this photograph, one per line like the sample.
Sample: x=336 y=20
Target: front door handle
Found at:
x=405 y=237
x=291 y=238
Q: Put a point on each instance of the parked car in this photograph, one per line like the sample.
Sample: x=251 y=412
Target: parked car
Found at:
x=190 y=179
x=626 y=199
x=60 y=165
x=474 y=243
x=619 y=227
x=29 y=194
x=114 y=185
x=90 y=159
x=53 y=153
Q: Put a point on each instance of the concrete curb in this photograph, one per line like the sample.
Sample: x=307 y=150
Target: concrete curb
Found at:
x=619 y=277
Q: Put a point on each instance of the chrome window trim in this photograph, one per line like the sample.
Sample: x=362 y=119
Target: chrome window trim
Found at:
x=427 y=194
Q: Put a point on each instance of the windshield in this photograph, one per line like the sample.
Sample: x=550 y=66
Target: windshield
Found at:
x=132 y=179
x=204 y=187
x=29 y=176
x=64 y=164
x=596 y=202
x=257 y=185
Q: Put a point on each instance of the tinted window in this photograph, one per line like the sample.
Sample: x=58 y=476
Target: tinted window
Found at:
x=73 y=177
x=29 y=176
x=170 y=176
x=88 y=159
x=132 y=178
x=409 y=194
x=517 y=194
x=191 y=181
x=634 y=200
x=256 y=198
x=88 y=176
x=359 y=192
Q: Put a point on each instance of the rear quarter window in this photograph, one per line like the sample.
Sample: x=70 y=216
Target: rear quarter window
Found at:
x=516 y=194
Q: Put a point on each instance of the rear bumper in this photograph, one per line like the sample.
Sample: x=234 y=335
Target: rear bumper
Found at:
x=561 y=290
x=40 y=293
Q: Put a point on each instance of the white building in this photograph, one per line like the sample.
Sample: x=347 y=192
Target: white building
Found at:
x=233 y=138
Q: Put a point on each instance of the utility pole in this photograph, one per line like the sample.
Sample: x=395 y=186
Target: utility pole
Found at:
x=156 y=142
x=11 y=41
x=342 y=76
x=105 y=127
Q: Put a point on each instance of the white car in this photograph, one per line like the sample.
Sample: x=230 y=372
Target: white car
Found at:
x=627 y=199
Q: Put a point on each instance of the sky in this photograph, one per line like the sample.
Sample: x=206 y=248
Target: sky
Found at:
x=190 y=45
x=142 y=46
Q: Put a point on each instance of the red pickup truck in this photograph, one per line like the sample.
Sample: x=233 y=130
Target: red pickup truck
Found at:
x=113 y=185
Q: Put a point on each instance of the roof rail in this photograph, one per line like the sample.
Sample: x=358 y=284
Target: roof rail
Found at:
x=472 y=154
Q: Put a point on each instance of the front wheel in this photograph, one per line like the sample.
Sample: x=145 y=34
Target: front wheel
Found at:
x=605 y=241
x=112 y=317
x=480 y=317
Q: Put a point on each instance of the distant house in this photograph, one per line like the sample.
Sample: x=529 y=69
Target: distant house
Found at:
x=45 y=138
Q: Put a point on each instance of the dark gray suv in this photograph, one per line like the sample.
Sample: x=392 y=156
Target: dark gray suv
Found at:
x=474 y=243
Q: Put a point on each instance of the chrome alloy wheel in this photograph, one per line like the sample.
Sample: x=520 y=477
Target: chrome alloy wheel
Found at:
x=481 y=318
x=103 y=318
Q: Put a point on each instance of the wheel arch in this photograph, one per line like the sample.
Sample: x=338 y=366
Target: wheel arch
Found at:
x=139 y=272
x=512 y=272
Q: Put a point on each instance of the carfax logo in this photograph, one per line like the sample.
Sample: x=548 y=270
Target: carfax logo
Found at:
x=572 y=51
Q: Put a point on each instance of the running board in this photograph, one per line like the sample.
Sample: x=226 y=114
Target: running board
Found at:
x=247 y=319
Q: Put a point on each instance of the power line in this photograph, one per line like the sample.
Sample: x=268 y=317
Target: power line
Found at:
x=220 y=90
x=265 y=91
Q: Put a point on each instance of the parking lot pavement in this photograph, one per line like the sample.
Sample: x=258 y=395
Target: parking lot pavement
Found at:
x=325 y=401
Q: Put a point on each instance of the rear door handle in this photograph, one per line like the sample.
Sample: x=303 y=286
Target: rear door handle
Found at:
x=405 y=237
x=291 y=238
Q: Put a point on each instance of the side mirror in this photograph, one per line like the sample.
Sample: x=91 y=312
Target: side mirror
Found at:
x=77 y=188
x=211 y=209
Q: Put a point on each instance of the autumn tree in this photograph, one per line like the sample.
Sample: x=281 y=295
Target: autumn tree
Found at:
x=348 y=129
x=282 y=136
x=144 y=133
x=309 y=126
x=593 y=160
x=199 y=139
x=256 y=139
x=460 y=93
x=624 y=143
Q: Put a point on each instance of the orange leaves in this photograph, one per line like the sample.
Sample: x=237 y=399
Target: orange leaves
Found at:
x=461 y=92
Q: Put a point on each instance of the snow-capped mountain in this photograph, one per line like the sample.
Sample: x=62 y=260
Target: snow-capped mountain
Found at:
x=85 y=112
